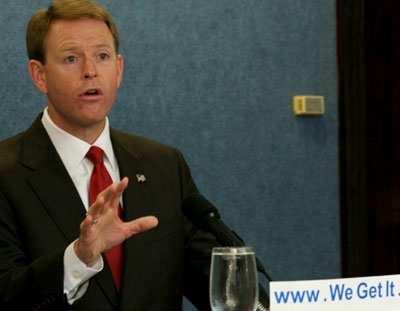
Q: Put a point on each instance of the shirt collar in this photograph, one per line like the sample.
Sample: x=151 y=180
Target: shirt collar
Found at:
x=71 y=149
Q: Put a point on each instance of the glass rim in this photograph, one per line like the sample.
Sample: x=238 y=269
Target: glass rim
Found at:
x=232 y=250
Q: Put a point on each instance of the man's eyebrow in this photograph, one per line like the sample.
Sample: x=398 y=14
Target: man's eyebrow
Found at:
x=69 y=49
x=103 y=45
x=72 y=48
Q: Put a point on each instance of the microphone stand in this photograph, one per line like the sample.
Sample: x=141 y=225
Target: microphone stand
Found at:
x=260 y=307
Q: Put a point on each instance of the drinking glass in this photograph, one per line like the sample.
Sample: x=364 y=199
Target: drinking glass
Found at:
x=233 y=279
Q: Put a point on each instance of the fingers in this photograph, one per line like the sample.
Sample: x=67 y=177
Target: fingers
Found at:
x=108 y=198
x=139 y=225
x=113 y=192
x=143 y=224
x=102 y=229
x=91 y=244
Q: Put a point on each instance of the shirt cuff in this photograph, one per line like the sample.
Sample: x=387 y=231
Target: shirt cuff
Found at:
x=77 y=273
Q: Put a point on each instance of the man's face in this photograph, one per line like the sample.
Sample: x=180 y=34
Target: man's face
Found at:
x=81 y=75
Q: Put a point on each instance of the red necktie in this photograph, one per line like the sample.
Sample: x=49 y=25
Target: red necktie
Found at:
x=99 y=180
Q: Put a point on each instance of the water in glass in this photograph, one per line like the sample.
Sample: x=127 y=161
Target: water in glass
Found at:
x=233 y=279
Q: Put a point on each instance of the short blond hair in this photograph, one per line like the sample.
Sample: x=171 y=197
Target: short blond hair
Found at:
x=42 y=19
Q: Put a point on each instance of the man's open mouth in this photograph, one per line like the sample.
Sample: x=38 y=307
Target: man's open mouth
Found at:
x=92 y=92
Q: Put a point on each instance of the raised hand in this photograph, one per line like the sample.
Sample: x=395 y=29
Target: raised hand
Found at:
x=102 y=228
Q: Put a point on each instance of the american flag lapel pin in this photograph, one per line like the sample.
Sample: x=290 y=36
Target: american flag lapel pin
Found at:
x=140 y=178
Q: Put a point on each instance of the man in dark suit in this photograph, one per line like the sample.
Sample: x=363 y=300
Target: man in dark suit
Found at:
x=52 y=240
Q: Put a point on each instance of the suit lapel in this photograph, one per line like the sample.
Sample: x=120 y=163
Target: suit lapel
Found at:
x=137 y=198
x=51 y=182
x=57 y=193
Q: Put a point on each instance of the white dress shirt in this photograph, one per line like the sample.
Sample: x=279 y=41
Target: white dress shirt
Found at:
x=72 y=152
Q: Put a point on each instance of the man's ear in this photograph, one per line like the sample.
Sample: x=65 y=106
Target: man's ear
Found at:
x=120 y=68
x=37 y=74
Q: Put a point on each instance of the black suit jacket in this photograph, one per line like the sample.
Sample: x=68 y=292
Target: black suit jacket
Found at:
x=40 y=213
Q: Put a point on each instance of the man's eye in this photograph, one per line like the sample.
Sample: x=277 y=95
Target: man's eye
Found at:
x=103 y=56
x=70 y=59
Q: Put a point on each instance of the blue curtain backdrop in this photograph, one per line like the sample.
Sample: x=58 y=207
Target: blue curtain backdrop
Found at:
x=216 y=79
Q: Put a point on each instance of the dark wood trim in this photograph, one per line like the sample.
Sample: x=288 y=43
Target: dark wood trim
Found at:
x=382 y=46
x=352 y=137
x=369 y=114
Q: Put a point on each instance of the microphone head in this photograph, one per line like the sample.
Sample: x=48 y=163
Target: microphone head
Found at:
x=199 y=210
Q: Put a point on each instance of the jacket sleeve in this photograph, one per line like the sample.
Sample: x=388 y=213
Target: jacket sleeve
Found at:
x=22 y=285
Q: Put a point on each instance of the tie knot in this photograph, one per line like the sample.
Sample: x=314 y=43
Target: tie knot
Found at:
x=95 y=154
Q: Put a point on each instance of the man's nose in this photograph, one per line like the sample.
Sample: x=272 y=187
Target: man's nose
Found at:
x=89 y=69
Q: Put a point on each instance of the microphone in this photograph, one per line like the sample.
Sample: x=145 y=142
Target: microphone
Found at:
x=204 y=215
